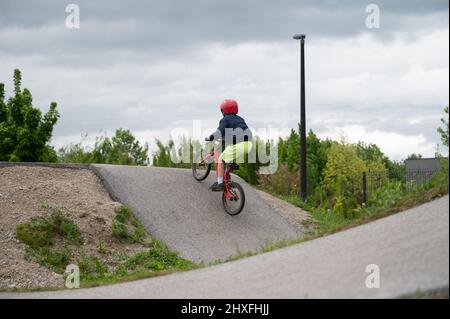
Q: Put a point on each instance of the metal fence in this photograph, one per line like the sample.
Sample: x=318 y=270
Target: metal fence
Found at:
x=374 y=181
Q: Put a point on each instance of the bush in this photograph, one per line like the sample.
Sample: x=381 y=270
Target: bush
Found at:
x=283 y=182
x=441 y=179
x=343 y=170
x=387 y=196
x=339 y=208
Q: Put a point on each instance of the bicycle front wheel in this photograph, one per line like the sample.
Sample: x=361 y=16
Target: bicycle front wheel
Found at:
x=200 y=169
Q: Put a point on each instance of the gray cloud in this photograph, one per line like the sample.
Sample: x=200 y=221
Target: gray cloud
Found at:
x=168 y=27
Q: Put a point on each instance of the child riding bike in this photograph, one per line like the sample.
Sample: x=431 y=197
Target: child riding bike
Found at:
x=237 y=137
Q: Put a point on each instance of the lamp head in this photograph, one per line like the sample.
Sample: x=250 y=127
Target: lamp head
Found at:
x=299 y=37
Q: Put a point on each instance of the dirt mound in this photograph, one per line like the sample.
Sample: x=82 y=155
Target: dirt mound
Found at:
x=26 y=192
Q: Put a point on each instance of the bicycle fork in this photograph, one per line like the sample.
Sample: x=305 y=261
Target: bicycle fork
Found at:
x=227 y=181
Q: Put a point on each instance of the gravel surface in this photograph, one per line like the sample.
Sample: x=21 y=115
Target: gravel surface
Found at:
x=411 y=249
x=29 y=191
x=293 y=214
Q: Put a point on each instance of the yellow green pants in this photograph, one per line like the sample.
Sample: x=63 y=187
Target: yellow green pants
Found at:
x=236 y=152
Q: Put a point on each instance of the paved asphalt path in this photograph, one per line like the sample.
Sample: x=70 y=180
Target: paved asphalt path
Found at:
x=188 y=217
x=411 y=249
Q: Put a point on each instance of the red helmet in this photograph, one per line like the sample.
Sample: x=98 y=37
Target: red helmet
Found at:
x=229 y=107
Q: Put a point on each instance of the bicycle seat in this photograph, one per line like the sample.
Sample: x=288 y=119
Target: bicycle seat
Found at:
x=234 y=166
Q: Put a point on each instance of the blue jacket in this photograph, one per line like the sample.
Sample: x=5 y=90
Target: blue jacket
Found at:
x=233 y=129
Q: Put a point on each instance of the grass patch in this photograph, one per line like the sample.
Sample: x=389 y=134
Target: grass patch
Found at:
x=128 y=228
x=52 y=240
x=109 y=279
x=99 y=267
x=36 y=233
x=41 y=231
x=120 y=230
x=101 y=247
x=39 y=235
x=158 y=259
x=84 y=264
x=123 y=214
x=54 y=259
x=139 y=233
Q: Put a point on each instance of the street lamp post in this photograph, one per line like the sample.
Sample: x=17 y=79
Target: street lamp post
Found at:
x=303 y=184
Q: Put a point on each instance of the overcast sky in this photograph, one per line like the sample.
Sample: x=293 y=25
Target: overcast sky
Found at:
x=155 y=66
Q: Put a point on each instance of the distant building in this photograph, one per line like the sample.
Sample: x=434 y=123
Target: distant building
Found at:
x=419 y=171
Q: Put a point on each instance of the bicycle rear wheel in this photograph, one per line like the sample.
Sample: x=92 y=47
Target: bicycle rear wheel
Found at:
x=200 y=169
x=233 y=206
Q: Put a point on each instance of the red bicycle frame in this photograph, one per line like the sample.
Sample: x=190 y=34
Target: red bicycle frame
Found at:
x=215 y=154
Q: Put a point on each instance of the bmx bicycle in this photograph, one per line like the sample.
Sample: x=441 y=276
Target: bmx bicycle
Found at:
x=233 y=196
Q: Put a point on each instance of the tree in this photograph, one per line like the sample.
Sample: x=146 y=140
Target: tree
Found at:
x=414 y=156
x=24 y=132
x=316 y=158
x=443 y=131
x=369 y=152
x=3 y=109
x=292 y=150
x=342 y=181
x=249 y=169
x=343 y=164
x=377 y=163
x=161 y=157
x=122 y=149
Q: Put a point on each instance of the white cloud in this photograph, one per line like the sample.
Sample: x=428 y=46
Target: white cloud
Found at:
x=396 y=145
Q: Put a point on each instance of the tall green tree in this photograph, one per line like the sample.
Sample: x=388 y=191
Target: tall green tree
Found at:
x=161 y=157
x=443 y=131
x=125 y=149
x=24 y=131
x=122 y=149
x=248 y=169
x=316 y=157
x=342 y=177
x=377 y=161
x=3 y=110
x=292 y=150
